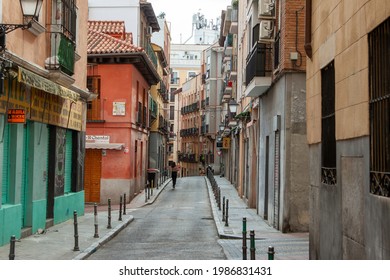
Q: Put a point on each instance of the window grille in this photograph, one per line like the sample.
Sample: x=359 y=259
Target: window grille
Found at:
x=328 y=135
x=379 y=87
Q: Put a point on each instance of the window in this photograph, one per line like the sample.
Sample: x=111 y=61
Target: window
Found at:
x=328 y=135
x=175 y=78
x=65 y=14
x=172 y=112
x=191 y=74
x=172 y=95
x=379 y=87
x=93 y=107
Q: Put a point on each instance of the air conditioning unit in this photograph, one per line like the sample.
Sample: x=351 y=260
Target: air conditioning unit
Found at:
x=266 y=9
x=266 y=30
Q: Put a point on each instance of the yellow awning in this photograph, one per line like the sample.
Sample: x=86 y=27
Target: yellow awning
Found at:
x=29 y=78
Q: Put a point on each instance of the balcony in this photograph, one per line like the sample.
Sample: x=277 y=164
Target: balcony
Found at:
x=258 y=70
x=234 y=25
x=62 y=59
x=188 y=132
x=229 y=45
x=228 y=21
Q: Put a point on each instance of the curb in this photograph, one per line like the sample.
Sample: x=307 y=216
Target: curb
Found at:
x=110 y=235
x=114 y=232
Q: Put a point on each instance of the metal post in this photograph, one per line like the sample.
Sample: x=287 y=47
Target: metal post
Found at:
x=95 y=214
x=271 y=253
x=223 y=209
x=146 y=192
x=152 y=186
x=109 y=213
x=12 y=248
x=244 y=247
x=227 y=213
x=120 y=208
x=219 y=198
x=76 y=232
x=253 y=249
x=124 y=204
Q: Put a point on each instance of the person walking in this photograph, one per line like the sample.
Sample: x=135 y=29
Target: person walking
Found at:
x=175 y=169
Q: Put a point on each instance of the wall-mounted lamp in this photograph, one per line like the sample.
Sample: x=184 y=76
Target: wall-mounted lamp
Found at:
x=233 y=105
x=30 y=10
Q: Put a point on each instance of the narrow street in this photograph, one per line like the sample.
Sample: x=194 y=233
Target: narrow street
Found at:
x=179 y=225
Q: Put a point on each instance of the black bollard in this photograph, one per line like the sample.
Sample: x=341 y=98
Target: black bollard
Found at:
x=151 y=187
x=253 y=249
x=12 y=248
x=223 y=209
x=271 y=253
x=95 y=214
x=227 y=213
x=120 y=208
x=124 y=204
x=219 y=198
x=244 y=247
x=146 y=192
x=109 y=213
x=76 y=232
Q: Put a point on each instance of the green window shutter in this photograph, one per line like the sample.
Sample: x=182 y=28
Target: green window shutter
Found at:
x=68 y=162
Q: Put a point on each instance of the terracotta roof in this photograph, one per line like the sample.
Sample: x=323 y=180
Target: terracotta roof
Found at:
x=108 y=27
x=99 y=43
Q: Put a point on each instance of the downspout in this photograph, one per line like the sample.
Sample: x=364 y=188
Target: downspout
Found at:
x=308 y=46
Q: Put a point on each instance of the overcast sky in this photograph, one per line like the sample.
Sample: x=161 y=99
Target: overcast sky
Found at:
x=179 y=13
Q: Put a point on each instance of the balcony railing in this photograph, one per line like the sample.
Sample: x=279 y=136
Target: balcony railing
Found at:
x=62 y=53
x=188 y=132
x=190 y=108
x=152 y=55
x=192 y=158
x=259 y=62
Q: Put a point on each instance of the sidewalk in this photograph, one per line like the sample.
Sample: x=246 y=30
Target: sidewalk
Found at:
x=291 y=246
x=58 y=242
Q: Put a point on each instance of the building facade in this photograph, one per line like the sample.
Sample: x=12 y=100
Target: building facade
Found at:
x=42 y=111
x=121 y=74
x=160 y=134
x=347 y=45
x=268 y=131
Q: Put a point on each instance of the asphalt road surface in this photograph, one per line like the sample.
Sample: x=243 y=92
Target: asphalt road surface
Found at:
x=177 y=226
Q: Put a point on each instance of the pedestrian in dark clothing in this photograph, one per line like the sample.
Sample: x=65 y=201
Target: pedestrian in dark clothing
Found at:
x=175 y=169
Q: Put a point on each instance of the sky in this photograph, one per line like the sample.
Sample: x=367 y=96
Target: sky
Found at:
x=178 y=14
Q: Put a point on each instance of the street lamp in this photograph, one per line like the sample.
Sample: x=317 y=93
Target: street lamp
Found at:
x=221 y=127
x=233 y=106
x=30 y=10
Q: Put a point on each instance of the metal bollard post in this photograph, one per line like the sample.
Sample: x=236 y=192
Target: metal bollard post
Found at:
x=12 y=248
x=120 y=208
x=244 y=247
x=253 y=249
x=223 y=209
x=151 y=188
x=124 y=204
x=227 y=213
x=219 y=199
x=271 y=253
x=146 y=192
x=95 y=214
x=76 y=232
x=109 y=213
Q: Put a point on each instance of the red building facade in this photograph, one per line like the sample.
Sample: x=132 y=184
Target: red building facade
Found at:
x=118 y=120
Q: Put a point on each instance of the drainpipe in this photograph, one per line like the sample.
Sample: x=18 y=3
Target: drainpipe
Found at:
x=308 y=47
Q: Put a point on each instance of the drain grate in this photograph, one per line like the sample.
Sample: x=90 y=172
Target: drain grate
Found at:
x=207 y=218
